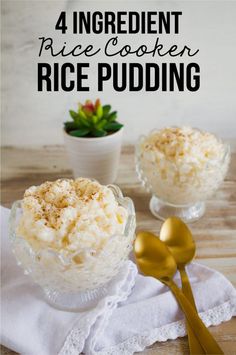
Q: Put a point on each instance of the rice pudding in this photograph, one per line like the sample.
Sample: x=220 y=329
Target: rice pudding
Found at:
x=182 y=165
x=70 y=215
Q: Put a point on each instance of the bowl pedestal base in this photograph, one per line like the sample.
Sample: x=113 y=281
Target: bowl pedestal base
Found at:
x=79 y=301
x=188 y=213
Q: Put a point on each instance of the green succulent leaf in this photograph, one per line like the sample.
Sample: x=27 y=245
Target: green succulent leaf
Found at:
x=99 y=112
x=80 y=132
x=106 y=110
x=86 y=111
x=81 y=114
x=94 y=119
x=99 y=132
x=74 y=115
x=101 y=124
x=113 y=126
x=84 y=122
x=71 y=125
x=112 y=116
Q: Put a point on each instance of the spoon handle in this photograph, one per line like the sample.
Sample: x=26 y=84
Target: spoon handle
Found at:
x=194 y=345
x=202 y=333
x=186 y=287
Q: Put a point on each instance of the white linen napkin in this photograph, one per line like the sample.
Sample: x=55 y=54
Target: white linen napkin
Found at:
x=136 y=312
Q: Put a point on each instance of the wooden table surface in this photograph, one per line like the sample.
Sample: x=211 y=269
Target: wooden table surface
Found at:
x=215 y=232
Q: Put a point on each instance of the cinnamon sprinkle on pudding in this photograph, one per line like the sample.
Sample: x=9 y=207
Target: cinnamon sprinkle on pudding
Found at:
x=182 y=165
x=70 y=215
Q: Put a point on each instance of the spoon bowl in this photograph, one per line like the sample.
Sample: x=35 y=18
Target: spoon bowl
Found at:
x=177 y=236
x=153 y=257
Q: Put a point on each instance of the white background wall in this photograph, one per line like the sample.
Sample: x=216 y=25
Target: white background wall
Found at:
x=30 y=117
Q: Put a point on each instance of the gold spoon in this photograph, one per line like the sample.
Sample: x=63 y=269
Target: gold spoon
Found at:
x=154 y=259
x=176 y=235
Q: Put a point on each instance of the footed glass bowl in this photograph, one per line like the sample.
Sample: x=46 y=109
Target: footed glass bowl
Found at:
x=179 y=190
x=68 y=284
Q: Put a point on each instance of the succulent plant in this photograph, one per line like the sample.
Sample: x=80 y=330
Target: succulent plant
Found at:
x=92 y=120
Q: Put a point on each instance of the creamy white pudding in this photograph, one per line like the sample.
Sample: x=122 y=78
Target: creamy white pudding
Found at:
x=183 y=165
x=70 y=215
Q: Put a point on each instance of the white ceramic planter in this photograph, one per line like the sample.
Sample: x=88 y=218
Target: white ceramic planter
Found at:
x=96 y=158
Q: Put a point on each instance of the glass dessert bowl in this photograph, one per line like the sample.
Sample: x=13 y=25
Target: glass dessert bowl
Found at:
x=72 y=242
x=181 y=167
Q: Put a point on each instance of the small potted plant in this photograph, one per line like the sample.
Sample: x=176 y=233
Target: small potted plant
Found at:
x=93 y=141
